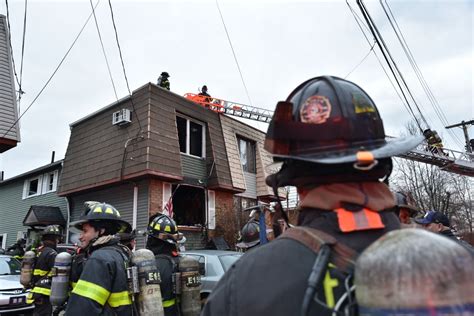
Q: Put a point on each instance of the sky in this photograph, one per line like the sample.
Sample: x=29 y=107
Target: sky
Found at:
x=278 y=44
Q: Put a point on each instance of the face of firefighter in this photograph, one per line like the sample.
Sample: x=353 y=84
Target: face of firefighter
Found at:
x=433 y=227
x=88 y=233
x=404 y=216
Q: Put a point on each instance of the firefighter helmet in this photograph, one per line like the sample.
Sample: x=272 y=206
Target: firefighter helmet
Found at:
x=97 y=212
x=403 y=201
x=165 y=74
x=332 y=121
x=250 y=235
x=53 y=230
x=164 y=228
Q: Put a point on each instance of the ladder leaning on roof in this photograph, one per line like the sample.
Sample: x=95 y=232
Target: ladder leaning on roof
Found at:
x=449 y=160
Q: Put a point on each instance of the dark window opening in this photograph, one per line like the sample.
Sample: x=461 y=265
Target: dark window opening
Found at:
x=189 y=206
x=181 y=123
x=195 y=141
x=247 y=155
x=33 y=187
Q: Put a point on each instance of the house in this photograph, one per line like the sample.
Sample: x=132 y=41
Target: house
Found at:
x=156 y=146
x=29 y=202
x=9 y=130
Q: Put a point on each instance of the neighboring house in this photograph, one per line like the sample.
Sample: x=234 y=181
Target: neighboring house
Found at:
x=29 y=202
x=9 y=130
x=139 y=151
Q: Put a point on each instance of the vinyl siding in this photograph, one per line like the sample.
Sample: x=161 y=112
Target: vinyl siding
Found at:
x=8 y=106
x=13 y=208
x=193 y=167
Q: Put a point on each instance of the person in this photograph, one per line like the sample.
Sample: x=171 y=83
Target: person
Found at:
x=205 y=94
x=163 y=81
x=128 y=239
x=330 y=139
x=405 y=208
x=45 y=256
x=414 y=272
x=435 y=144
x=102 y=287
x=250 y=236
x=17 y=250
x=163 y=242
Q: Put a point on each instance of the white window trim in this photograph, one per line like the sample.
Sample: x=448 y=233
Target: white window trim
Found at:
x=211 y=209
x=46 y=182
x=4 y=241
x=188 y=137
x=26 y=186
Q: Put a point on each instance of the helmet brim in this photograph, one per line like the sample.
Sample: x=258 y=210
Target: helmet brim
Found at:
x=247 y=244
x=392 y=147
x=76 y=226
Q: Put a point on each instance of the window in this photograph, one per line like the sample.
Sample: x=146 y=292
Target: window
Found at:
x=50 y=181
x=192 y=136
x=247 y=155
x=32 y=187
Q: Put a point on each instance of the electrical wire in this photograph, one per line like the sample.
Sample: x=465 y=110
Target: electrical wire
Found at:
x=391 y=62
x=363 y=59
x=10 y=42
x=103 y=49
x=360 y=23
x=52 y=75
x=20 y=90
x=123 y=67
x=434 y=102
x=233 y=52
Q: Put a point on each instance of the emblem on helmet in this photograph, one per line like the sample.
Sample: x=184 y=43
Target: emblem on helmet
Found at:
x=315 y=110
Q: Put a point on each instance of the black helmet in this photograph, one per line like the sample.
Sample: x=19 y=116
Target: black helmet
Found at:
x=332 y=121
x=204 y=88
x=250 y=235
x=127 y=236
x=98 y=212
x=53 y=230
x=165 y=74
x=164 y=228
x=404 y=202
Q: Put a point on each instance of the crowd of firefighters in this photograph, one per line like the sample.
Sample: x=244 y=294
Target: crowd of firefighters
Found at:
x=346 y=255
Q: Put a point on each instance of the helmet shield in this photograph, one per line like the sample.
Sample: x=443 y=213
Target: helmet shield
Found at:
x=330 y=120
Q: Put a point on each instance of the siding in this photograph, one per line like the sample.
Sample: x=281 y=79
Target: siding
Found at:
x=251 y=185
x=121 y=197
x=193 y=167
x=13 y=208
x=8 y=107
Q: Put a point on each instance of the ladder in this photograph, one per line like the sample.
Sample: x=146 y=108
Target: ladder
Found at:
x=449 y=160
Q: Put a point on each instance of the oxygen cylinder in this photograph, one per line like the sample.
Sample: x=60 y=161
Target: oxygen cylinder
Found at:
x=27 y=266
x=149 y=301
x=190 y=300
x=60 y=280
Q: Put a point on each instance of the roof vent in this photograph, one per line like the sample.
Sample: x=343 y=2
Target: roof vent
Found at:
x=122 y=117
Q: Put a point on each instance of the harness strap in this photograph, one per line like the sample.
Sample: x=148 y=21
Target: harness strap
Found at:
x=341 y=255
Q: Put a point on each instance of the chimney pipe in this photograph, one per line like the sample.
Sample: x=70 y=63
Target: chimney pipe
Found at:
x=52 y=156
x=1 y=175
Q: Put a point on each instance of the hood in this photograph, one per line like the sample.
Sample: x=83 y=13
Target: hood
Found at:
x=10 y=282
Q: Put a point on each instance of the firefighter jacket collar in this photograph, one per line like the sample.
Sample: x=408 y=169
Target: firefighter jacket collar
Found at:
x=372 y=195
x=103 y=241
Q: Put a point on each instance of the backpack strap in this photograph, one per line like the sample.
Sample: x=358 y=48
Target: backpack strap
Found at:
x=341 y=255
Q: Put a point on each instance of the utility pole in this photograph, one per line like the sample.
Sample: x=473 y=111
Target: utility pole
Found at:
x=469 y=143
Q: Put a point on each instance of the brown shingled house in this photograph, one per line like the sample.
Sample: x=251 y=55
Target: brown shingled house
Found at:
x=135 y=152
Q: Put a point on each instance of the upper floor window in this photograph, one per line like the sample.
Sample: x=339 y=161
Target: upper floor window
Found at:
x=40 y=184
x=247 y=155
x=192 y=136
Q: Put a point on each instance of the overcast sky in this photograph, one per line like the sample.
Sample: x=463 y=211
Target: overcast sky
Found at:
x=278 y=44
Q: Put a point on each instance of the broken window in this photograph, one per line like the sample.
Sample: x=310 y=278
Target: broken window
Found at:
x=247 y=155
x=189 y=205
x=192 y=136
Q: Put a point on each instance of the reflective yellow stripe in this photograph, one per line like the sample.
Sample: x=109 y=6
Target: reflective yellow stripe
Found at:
x=73 y=285
x=169 y=303
x=119 y=299
x=29 y=298
x=41 y=290
x=93 y=291
x=40 y=272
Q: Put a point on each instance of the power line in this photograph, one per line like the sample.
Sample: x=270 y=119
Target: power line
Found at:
x=360 y=23
x=233 y=52
x=363 y=59
x=52 y=75
x=419 y=74
x=123 y=65
x=103 y=49
x=10 y=40
x=20 y=90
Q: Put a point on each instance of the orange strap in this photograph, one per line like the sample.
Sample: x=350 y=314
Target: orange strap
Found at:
x=364 y=219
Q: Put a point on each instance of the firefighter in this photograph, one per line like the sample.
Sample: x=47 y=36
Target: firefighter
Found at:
x=405 y=208
x=44 y=262
x=330 y=139
x=249 y=236
x=163 y=81
x=17 y=250
x=163 y=242
x=102 y=287
x=128 y=239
